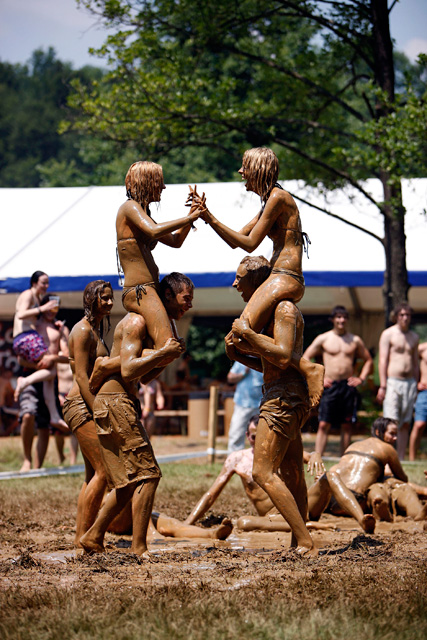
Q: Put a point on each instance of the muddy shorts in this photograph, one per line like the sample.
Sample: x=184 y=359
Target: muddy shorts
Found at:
x=285 y=406
x=29 y=345
x=399 y=399
x=125 y=448
x=339 y=403
x=75 y=412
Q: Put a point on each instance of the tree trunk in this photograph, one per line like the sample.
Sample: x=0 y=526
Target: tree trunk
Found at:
x=396 y=285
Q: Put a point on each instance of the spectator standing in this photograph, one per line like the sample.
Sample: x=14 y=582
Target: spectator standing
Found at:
x=398 y=370
x=339 y=350
x=247 y=398
x=420 y=405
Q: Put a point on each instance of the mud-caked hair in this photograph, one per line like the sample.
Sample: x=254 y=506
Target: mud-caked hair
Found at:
x=35 y=277
x=144 y=182
x=91 y=297
x=262 y=167
x=176 y=282
x=258 y=269
x=380 y=425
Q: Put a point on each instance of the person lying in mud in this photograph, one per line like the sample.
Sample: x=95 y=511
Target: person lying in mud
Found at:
x=241 y=463
x=393 y=498
x=278 y=219
x=361 y=465
x=128 y=458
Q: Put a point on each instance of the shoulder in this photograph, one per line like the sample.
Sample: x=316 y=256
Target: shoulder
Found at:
x=288 y=309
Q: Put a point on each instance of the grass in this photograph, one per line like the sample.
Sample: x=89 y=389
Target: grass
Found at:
x=371 y=587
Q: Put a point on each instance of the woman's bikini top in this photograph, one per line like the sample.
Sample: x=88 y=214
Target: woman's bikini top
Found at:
x=305 y=240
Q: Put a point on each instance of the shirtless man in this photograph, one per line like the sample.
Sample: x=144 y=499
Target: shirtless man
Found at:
x=278 y=454
x=126 y=450
x=55 y=336
x=361 y=465
x=420 y=404
x=339 y=349
x=398 y=370
x=241 y=463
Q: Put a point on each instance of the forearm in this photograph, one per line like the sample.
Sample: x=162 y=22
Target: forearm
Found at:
x=248 y=361
x=278 y=355
x=134 y=368
x=382 y=372
x=233 y=238
x=366 y=370
x=157 y=231
x=83 y=383
x=200 y=509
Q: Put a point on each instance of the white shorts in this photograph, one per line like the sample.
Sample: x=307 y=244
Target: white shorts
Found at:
x=400 y=399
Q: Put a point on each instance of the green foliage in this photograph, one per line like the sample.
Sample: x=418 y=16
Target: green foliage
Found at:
x=206 y=345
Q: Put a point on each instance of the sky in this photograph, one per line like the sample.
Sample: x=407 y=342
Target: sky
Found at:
x=26 y=25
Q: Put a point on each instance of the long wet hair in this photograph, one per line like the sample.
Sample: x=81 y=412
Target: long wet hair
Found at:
x=262 y=167
x=380 y=425
x=91 y=297
x=144 y=182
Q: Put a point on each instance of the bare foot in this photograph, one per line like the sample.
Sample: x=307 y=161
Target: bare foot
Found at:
x=368 y=523
x=314 y=374
x=223 y=530
x=60 y=424
x=381 y=511
x=307 y=552
x=141 y=551
x=90 y=545
x=26 y=466
x=19 y=388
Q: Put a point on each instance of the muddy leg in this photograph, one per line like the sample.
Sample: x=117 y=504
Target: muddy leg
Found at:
x=270 y=448
x=27 y=436
x=93 y=540
x=348 y=502
x=142 y=506
x=176 y=529
x=378 y=499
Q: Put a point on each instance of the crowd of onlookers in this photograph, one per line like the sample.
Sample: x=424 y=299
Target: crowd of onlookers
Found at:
x=41 y=345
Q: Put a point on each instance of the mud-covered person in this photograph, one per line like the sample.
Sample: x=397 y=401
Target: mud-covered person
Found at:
x=278 y=219
x=126 y=451
x=339 y=349
x=362 y=464
x=86 y=344
x=278 y=453
x=137 y=236
x=241 y=463
x=398 y=369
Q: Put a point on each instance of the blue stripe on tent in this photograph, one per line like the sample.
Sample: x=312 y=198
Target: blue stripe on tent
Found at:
x=223 y=279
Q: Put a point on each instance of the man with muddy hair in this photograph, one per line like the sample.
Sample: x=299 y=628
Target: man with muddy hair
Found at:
x=278 y=453
x=125 y=448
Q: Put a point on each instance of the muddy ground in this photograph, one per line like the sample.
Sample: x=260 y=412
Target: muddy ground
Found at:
x=377 y=581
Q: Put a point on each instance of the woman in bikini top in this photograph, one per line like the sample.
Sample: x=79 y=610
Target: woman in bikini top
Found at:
x=279 y=220
x=137 y=235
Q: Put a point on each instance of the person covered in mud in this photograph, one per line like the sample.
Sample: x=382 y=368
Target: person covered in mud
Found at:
x=86 y=344
x=126 y=451
x=361 y=465
x=278 y=219
x=278 y=453
x=241 y=463
x=137 y=235
x=393 y=497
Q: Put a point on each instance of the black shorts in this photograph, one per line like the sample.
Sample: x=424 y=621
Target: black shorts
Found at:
x=339 y=404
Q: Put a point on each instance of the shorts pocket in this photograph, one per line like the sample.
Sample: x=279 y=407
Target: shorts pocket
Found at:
x=102 y=422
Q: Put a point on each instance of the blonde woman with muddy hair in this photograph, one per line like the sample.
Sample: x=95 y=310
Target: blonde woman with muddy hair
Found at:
x=137 y=236
x=279 y=220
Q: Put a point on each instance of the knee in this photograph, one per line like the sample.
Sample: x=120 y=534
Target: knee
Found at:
x=242 y=523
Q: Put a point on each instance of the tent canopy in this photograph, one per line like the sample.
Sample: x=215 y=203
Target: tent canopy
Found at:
x=70 y=234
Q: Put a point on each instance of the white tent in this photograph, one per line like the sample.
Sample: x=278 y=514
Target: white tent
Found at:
x=70 y=234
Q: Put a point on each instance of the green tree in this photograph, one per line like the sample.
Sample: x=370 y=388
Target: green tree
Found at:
x=314 y=80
